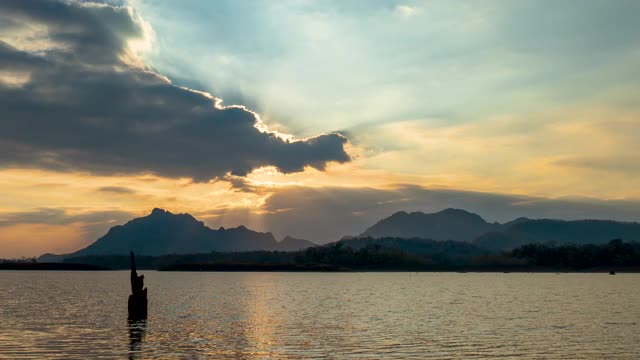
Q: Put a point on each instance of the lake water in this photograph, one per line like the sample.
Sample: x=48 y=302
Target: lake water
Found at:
x=82 y=315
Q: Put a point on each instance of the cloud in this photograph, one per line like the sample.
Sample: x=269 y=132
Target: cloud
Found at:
x=441 y=63
x=617 y=164
x=120 y=190
x=22 y=240
x=240 y=183
x=34 y=232
x=405 y=10
x=60 y=216
x=85 y=101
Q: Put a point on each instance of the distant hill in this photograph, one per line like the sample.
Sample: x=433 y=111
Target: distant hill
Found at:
x=461 y=225
x=526 y=231
x=292 y=244
x=448 y=224
x=162 y=232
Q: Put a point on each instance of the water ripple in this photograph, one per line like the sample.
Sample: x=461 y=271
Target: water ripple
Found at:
x=81 y=315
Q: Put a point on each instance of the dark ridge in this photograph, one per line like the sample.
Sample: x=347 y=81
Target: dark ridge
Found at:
x=50 y=266
x=462 y=225
x=397 y=254
x=293 y=244
x=158 y=211
x=162 y=232
x=448 y=224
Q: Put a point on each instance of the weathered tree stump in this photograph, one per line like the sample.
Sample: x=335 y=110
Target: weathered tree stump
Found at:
x=138 y=297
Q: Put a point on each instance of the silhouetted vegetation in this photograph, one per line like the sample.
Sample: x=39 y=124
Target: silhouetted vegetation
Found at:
x=32 y=265
x=372 y=256
x=447 y=239
x=616 y=253
x=434 y=251
x=253 y=267
x=355 y=254
x=387 y=254
x=157 y=262
x=18 y=260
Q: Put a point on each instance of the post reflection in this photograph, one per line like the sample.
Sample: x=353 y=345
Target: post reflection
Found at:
x=137 y=330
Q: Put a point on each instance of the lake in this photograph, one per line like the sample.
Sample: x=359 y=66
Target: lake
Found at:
x=83 y=315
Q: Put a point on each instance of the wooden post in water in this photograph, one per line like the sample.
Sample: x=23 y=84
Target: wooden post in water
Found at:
x=138 y=297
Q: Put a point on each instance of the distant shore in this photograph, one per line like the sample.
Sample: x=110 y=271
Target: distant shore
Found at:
x=49 y=266
x=329 y=268
x=256 y=267
x=243 y=267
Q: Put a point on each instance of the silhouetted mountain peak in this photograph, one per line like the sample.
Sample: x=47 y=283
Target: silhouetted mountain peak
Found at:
x=447 y=224
x=449 y=212
x=162 y=232
x=519 y=220
x=400 y=214
x=462 y=225
x=289 y=243
x=161 y=219
x=158 y=211
x=454 y=211
x=462 y=215
x=161 y=213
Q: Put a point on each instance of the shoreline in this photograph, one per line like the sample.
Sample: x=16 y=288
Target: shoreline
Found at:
x=321 y=268
x=52 y=266
x=329 y=268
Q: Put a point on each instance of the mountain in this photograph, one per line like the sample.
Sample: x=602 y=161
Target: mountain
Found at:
x=461 y=225
x=162 y=232
x=448 y=224
x=526 y=231
x=292 y=244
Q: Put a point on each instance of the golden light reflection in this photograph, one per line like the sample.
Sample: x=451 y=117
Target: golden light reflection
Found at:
x=259 y=330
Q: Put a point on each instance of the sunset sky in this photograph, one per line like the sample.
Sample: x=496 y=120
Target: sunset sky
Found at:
x=312 y=118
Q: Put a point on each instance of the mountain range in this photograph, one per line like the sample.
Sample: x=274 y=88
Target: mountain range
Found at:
x=162 y=232
x=448 y=224
x=461 y=225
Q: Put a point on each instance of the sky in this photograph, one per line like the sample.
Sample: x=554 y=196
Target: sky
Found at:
x=312 y=119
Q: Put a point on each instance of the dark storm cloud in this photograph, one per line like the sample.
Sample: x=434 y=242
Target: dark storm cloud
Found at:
x=241 y=184
x=84 y=105
x=11 y=59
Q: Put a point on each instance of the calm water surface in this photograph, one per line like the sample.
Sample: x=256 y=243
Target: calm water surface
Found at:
x=82 y=315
